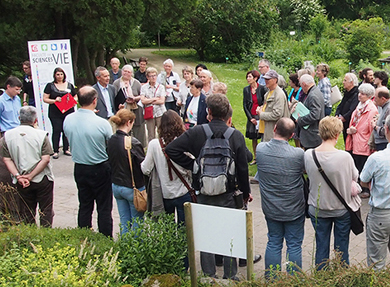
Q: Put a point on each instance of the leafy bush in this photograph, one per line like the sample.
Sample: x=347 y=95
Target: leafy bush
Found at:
x=59 y=257
x=20 y=236
x=363 y=40
x=158 y=246
x=318 y=24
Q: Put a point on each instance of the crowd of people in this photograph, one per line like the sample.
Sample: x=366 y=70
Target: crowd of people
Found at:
x=174 y=121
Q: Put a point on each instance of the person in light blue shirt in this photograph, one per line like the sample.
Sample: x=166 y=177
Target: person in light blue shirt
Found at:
x=88 y=135
x=376 y=173
x=264 y=67
x=10 y=105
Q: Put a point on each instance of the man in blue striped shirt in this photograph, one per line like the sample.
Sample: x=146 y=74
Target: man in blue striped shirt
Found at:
x=376 y=174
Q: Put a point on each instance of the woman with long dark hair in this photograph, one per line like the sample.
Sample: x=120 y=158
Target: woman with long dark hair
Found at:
x=174 y=191
x=53 y=93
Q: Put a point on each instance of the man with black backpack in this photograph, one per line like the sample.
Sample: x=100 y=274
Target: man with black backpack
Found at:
x=220 y=167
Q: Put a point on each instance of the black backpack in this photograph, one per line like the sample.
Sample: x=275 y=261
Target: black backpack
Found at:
x=216 y=164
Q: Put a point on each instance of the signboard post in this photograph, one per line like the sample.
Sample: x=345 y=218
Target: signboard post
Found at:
x=218 y=230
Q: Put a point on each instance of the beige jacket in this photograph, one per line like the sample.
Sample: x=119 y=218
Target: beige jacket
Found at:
x=276 y=108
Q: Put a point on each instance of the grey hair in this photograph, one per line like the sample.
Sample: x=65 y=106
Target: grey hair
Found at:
x=352 y=78
x=207 y=72
x=310 y=69
x=28 y=114
x=387 y=122
x=302 y=72
x=128 y=67
x=266 y=62
x=99 y=70
x=168 y=61
x=282 y=82
x=307 y=79
x=367 y=89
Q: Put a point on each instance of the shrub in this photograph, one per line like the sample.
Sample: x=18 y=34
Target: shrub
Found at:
x=363 y=40
x=158 y=246
x=318 y=24
x=59 y=265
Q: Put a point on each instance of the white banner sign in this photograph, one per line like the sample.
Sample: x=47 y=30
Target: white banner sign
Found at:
x=219 y=230
x=45 y=56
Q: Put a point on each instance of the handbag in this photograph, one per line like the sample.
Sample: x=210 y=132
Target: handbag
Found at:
x=140 y=197
x=357 y=225
x=335 y=95
x=148 y=112
x=170 y=167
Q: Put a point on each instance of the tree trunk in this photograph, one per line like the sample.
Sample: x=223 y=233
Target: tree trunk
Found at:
x=59 y=26
x=75 y=54
x=86 y=62
x=100 y=56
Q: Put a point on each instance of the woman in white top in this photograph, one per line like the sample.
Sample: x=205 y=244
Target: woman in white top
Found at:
x=184 y=89
x=325 y=209
x=174 y=192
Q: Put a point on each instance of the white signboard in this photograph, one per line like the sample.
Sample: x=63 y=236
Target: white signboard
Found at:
x=219 y=230
x=45 y=56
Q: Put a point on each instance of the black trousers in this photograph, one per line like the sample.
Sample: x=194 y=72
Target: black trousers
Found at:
x=57 y=125
x=94 y=184
x=37 y=193
x=360 y=161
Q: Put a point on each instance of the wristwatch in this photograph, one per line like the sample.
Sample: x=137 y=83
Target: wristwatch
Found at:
x=17 y=174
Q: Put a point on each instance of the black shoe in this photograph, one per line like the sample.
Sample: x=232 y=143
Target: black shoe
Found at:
x=234 y=278
x=242 y=262
x=218 y=260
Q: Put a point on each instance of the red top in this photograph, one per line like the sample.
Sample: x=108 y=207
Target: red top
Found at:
x=255 y=102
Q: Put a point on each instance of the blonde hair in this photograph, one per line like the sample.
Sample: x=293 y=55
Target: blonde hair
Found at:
x=122 y=117
x=150 y=70
x=219 y=88
x=330 y=128
x=324 y=68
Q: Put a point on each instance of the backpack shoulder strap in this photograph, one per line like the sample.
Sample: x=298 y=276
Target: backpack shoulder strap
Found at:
x=207 y=130
x=228 y=133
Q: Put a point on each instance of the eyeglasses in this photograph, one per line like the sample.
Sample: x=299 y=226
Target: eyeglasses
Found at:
x=152 y=76
x=260 y=67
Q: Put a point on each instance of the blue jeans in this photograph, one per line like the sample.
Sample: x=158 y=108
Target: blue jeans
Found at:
x=178 y=203
x=323 y=229
x=124 y=198
x=293 y=232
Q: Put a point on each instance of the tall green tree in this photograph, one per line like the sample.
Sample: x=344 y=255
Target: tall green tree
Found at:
x=97 y=28
x=163 y=16
x=363 y=40
x=220 y=29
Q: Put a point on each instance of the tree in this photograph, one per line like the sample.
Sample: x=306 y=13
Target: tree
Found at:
x=318 y=25
x=220 y=29
x=97 y=28
x=162 y=16
x=363 y=40
x=304 y=10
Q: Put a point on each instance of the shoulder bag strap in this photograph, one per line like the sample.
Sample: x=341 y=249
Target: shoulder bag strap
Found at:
x=332 y=187
x=171 y=166
x=128 y=147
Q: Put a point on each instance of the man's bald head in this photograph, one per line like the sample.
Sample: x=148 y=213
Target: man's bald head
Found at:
x=86 y=95
x=284 y=128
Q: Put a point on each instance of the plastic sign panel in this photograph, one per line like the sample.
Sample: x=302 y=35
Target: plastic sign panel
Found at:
x=45 y=56
x=219 y=230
